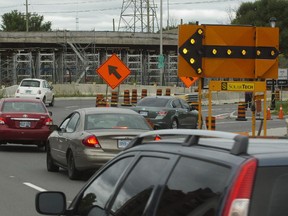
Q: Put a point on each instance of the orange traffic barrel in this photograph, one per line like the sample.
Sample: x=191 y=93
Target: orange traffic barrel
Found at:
x=168 y=92
x=144 y=93
x=277 y=95
x=213 y=122
x=134 y=97
x=159 y=92
x=114 y=99
x=241 y=112
x=126 y=98
x=100 y=101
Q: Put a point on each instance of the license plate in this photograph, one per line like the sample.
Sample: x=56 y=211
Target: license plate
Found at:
x=143 y=113
x=123 y=143
x=25 y=124
x=28 y=91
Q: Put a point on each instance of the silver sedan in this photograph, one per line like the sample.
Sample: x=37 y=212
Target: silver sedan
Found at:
x=89 y=137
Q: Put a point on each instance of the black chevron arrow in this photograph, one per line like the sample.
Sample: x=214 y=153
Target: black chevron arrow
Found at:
x=113 y=70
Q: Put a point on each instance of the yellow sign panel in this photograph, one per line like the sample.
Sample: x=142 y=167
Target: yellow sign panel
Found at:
x=237 y=86
x=224 y=51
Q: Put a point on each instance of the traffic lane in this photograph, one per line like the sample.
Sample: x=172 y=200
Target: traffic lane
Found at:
x=64 y=107
x=24 y=174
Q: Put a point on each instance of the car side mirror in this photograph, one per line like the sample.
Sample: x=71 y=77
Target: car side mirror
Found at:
x=50 y=203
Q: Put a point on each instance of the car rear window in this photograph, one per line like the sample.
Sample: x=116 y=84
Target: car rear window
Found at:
x=115 y=120
x=270 y=194
x=20 y=106
x=195 y=187
x=30 y=83
x=153 y=102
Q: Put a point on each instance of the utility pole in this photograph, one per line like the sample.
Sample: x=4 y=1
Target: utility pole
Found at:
x=27 y=17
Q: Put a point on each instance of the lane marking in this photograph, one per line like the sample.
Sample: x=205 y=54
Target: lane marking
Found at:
x=34 y=186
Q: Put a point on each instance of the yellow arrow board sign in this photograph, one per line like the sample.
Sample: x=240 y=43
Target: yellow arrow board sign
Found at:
x=228 y=51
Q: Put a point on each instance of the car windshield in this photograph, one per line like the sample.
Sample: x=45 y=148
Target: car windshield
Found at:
x=115 y=120
x=23 y=106
x=30 y=83
x=153 y=102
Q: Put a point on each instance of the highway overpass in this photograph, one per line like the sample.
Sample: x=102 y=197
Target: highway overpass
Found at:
x=74 y=56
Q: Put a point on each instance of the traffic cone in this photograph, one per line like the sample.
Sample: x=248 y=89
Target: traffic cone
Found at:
x=268 y=116
x=280 y=114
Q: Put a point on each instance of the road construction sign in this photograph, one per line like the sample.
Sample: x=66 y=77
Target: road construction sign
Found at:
x=188 y=81
x=113 y=71
x=226 y=51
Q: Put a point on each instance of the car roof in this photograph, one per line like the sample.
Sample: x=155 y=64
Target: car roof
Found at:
x=33 y=79
x=99 y=110
x=12 y=99
x=161 y=96
x=268 y=150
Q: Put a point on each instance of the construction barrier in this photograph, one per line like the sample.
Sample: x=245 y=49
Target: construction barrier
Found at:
x=100 y=101
x=213 y=122
x=277 y=95
x=144 y=93
x=268 y=115
x=126 y=98
x=114 y=99
x=241 y=112
x=159 y=92
x=168 y=92
x=134 y=97
x=280 y=114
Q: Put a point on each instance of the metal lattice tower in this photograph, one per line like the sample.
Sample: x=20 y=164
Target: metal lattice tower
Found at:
x=138 y=16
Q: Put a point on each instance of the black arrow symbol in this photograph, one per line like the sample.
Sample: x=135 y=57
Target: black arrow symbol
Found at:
x=191 y=78
x=113 y=70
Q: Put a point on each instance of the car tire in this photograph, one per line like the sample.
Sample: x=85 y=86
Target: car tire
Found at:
x=73 y=173
x=174 y=124
x=42 y=146
x=51 y=167
x=52 y=102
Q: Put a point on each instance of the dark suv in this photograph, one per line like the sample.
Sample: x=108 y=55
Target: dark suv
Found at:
x=185 y=173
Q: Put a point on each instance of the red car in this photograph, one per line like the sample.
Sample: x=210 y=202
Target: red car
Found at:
x=24 y=121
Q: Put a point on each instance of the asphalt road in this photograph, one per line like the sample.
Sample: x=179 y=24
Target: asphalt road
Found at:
x=23 y=168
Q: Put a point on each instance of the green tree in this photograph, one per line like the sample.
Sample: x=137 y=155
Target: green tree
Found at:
x=16 y=21
x=258 y=14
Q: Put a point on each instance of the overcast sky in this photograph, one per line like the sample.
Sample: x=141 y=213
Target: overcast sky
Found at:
x=98 y=15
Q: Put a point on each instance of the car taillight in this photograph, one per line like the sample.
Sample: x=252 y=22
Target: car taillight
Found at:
x=162 y=113
x=48 y=121
x=239 y=196
x=157 y=138
x=2 y=121
x=91 y=141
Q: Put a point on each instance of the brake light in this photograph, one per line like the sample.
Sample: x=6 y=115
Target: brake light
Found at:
x=91 y=141
x=2 y=121
x=239 y=196
x=162 y=113
x=157 y=138
x=48 y=121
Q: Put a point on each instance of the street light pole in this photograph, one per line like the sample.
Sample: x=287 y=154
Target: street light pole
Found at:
x=161 y=43
x=272 y=21
x=27 y=16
